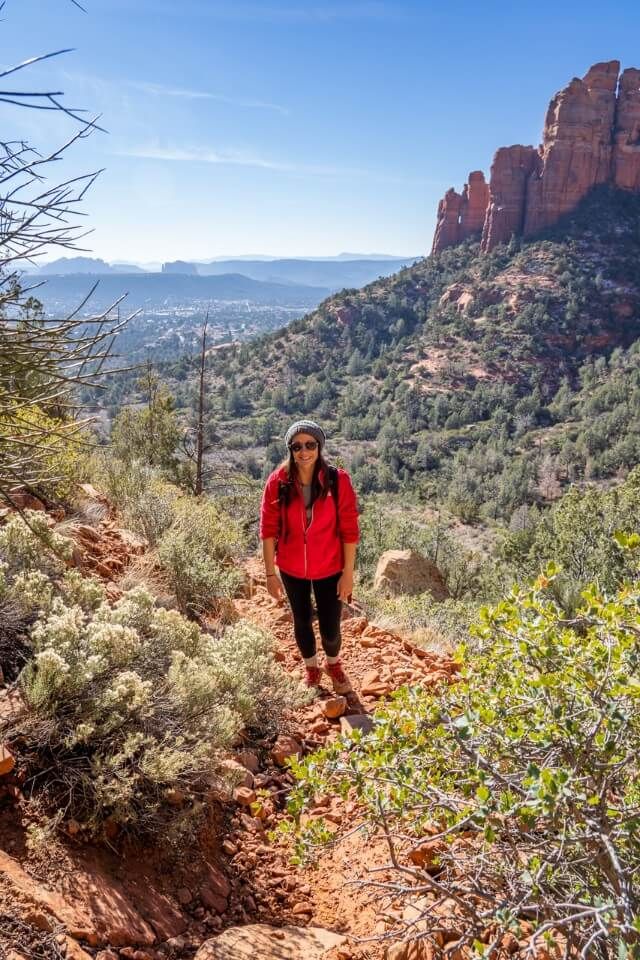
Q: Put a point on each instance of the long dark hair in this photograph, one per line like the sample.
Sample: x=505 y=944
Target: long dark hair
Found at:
x=318 y=487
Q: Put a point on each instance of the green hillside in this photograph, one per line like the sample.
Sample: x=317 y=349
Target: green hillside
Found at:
x=482 y=381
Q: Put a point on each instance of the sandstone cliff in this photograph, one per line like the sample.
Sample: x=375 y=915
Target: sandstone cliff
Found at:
x=591 y=136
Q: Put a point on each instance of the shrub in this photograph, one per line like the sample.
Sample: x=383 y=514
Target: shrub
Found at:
x=123 y=483
x=522 y=778
x=196 y=552
x=129 y=703
x=26 y=565
x=432 y=623
x=152 y=511
x=53 y=452
x=33 y=546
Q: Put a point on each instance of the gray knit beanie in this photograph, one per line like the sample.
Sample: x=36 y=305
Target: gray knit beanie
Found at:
x=305 y=426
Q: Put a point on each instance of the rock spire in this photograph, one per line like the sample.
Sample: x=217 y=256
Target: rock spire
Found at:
x=591 y=136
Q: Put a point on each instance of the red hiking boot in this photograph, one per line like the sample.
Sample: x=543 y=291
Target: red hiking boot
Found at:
x=338 y=678
x=313 y=677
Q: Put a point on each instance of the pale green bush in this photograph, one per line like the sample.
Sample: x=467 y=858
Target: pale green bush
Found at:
x=153 y=510
x=126 y=703
x=197 y=552
x=431 y=623
x=27 y=565
x=121 y=482
x=33 y=545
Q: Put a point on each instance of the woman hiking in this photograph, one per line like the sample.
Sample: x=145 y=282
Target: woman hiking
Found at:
x=309 y=529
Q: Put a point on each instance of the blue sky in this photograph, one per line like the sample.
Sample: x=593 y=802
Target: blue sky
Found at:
x=296 y=128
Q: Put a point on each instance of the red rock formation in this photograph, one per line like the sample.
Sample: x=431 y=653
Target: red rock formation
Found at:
x=475 y=200
x=577 y=146
x=510 y=171
x=626 y=149
x=448 y=223
x=591 y=136
x=461 y=215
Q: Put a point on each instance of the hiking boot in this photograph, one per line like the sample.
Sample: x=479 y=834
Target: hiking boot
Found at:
x=338 y=678
x=313 y=676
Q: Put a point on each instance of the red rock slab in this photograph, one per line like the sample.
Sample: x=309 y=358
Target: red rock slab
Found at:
x=270 y=943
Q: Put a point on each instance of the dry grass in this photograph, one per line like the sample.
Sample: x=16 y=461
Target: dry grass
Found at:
x=144 y=571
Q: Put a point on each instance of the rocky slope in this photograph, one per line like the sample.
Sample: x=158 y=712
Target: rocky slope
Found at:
x=591 y=136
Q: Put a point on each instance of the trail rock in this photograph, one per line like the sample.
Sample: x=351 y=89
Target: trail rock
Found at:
x=270 y=943
x=217 y=882
x=405 y=571
x=285 y=747
x=334 y=707
x=357 y=721
x=427 y=855
x=73 y=950
x=244 y=796
x=7 y=760
x=23 y=500
x=413 y=950
x=248 y=759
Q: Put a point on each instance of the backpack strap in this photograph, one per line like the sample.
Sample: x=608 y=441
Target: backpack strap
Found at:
x=284 y=495
x=334 y=478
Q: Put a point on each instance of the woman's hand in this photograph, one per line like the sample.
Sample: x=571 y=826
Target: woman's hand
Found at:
x=274 y=587
x=345 y=586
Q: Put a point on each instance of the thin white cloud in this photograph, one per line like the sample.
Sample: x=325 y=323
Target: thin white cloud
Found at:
x=311 y=12
x=246 y=158
x=281 y=12
x=161 y=90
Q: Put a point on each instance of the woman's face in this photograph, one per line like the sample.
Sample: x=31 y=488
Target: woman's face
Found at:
x=303 y=457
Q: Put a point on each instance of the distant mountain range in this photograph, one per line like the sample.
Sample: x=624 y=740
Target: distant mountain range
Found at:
x=333 y=274
x=155 y=291
x=293 y=282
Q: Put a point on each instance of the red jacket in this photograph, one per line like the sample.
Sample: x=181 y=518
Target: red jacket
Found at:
x=315 y=551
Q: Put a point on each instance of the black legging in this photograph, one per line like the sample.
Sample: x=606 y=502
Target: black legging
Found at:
x=329 y=608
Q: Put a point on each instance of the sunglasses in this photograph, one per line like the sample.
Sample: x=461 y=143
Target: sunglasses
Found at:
x=307 y=445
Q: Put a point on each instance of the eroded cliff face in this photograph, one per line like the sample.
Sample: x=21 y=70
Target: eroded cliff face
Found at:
x=626 y=148
x=591 y=136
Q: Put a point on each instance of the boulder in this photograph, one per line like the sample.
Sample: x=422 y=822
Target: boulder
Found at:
x=405 y=571
x=270 y=943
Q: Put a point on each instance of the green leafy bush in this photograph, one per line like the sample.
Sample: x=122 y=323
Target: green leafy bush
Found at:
x=519 y=782
x=127 y=704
